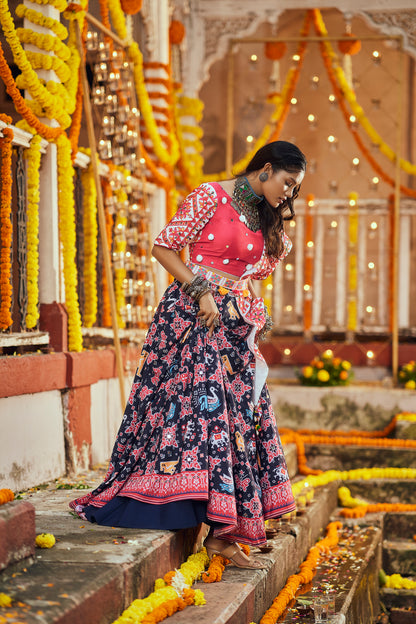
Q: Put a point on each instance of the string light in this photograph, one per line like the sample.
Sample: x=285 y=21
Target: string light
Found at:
x=288 y=308
x=312 y=121
x=306 y=287
x=309 y=244
x=369 y=309
x=249 y=138
x=296 y=58
x=376 y=56
x=332 y=98
x=294 y=101
x=371 y=265
x=334 y=224
x=253 y=58
x=374 y=183
x=373 y=225
x=287 y=351
x=269 y=287
x=315 y=81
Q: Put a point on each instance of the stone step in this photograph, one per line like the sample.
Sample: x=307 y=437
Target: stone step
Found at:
x=17 y=533
x=401 y=525
x=339 y=457
x=384 y=490
x=93 y=573
x=399 y=557
x=402 y=616
x=398 y=599
x=243 y=596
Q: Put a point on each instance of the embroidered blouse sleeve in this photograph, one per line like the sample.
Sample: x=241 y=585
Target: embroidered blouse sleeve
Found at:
x=267 y=264
x=192 y=215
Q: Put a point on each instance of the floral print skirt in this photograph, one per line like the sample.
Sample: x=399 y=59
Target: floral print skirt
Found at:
x=191 y=431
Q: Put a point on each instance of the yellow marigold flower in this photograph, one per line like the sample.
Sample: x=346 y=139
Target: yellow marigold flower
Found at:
x=345 y=364
x=323 y=375
x=307 y=371
x=159 y=583
x=410 y=385
x=6 y=601
x=45 y=540
x=199 y=598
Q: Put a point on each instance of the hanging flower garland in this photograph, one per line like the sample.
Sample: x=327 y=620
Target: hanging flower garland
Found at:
x=352 y=261
x=166 y=156
x=90 y=246
x=38 y=18
x=20 y=105
x=33 y=156
x=278 y=116
x=106 y=306
x=67 y=235
x=350 y=96
x=308 y=264
x=306 y=574
x=6 y=228
x=51 y=104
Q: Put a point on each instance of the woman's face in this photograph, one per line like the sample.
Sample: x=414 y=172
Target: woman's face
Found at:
x=280 y=185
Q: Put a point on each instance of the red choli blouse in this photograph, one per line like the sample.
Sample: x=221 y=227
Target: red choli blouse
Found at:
x=217 y=235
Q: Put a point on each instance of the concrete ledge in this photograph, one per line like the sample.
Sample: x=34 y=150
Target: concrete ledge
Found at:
x=17 y=532
x=399 y=557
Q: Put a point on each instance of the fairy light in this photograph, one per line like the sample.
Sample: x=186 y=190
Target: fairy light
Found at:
x=369 y=309
x=294 y=101
x=311 y=203
x=309 y=244
x=331 y=139
x=289 y=267
x=249 y=138
x=373 y=225
x=376 y=56
x=253 y=58
x=353 y=119
x=306 y=287
x=288 y=308
x=334 y=224
x=269 y=287
x=332 y=98
x=370 y=355
x=292 y=224
x=296 y=58
x=287 y=351
x=371 y=265
x=356 y=162
x=352 y=202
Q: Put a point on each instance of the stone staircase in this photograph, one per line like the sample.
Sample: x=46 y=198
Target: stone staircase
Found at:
x=93 y=573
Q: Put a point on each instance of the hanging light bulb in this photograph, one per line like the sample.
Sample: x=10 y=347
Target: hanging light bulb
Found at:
x=376 y=56
x=355 y=165
x=374 y=183
x=312 y=121
x=332 y=98
x=315 y=81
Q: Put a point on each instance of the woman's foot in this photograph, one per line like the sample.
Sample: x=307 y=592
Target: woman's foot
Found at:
x=233 y=552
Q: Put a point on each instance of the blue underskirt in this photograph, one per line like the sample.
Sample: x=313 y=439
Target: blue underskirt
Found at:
x=126 y=512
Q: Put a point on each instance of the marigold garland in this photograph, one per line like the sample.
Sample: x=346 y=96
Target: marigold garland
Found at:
x=36 y=17
x=20 y=105
x=356 y=508
x=6 y=227
x=306 y=574
x=6 y=496
x=352 y=475
x=66 y=207
x=349 y=94
x=167 y=599
x=33 y=156
x=396 y=581
x=90 y=246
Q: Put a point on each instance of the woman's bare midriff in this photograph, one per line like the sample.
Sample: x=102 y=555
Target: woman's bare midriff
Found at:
x=222 y=273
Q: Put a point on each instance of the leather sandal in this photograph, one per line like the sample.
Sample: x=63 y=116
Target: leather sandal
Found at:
x=231 y=552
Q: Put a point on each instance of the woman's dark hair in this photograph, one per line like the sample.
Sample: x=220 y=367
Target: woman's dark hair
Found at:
x=281 y=155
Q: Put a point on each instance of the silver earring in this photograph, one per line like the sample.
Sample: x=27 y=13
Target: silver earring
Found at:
x=263 y=176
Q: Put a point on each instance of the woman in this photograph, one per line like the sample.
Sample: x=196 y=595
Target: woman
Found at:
x=198 y=441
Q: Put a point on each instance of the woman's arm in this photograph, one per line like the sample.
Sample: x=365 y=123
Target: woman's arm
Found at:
x=172 y=262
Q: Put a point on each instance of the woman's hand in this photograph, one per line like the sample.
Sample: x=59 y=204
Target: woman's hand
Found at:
x=208 y=312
